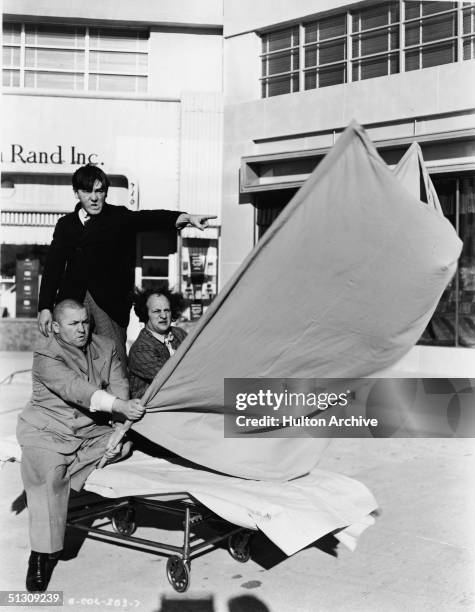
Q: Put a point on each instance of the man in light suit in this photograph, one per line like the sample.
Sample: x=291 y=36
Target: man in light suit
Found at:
x=78 y=387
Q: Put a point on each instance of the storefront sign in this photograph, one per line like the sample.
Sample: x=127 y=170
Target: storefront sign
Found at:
x=60 y=154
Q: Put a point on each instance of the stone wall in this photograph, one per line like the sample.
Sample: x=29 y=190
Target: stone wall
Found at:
x=18 y=334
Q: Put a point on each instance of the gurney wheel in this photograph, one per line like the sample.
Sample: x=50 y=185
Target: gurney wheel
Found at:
x=178 y=573
x=238 y=546
x=123 y=521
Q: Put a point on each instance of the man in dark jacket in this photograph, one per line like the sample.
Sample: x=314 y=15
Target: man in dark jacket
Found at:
x=92 y=256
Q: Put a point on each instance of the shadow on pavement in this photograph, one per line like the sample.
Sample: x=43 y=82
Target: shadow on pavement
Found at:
x=242 y=603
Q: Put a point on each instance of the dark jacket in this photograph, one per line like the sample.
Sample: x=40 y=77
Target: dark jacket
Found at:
x=147 y=356
x=98 y=257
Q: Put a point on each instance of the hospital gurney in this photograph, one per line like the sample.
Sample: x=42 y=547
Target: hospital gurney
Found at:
x=292 y=514
x=122 y=514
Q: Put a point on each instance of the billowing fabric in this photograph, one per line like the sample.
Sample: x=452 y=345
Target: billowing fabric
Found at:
x=412 y=173
x=292 y=514
x=342 y=285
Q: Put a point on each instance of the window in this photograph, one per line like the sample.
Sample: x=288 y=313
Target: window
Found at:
x=74 y=58
x=430 y=33
x=453 y=323
x=155 y=249
x=325 y=52
x=280 y=62
x=468 y=31
x=380 y=39
x=375 y=41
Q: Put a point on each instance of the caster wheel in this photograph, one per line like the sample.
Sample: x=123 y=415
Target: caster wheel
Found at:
x=123 y=521
x=178 y=574
x=238 y=546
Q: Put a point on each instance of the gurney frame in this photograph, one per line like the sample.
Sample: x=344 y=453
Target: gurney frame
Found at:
x=121 y=515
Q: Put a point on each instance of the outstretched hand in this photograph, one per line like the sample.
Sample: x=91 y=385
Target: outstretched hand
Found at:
x=198 y=221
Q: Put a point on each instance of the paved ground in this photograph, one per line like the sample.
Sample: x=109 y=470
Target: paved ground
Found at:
x=418 y=556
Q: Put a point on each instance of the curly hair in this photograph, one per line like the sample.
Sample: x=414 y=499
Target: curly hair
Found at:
x=177 y=302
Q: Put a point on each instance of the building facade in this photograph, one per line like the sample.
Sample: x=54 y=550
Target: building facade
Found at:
x=134 y=87
x=139 y=87
x=297 y=73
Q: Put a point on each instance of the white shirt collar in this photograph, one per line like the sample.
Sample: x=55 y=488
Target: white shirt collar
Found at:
x=163 y=339
x=83 y=216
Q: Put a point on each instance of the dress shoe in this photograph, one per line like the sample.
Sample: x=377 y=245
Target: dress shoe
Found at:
x=40 y=568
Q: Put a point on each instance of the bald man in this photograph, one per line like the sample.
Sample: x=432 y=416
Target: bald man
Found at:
x=78 y=390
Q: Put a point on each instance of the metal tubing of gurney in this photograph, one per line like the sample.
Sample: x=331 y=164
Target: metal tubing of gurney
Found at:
x=118 y=536
x=80 y=515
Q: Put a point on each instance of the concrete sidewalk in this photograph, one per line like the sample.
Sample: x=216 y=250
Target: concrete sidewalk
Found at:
x=418 y=556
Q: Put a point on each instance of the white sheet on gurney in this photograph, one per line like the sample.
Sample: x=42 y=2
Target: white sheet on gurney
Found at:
x=292 y=514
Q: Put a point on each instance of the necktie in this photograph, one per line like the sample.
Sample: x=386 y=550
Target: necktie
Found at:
x=168 y=344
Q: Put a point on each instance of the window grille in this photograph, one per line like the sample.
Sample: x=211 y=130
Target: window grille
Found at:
x=74 y=58
x=380 y=39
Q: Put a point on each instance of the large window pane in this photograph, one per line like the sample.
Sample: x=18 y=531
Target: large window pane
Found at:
x=310 y=80
x=310 y=57
x=441 y=329
x=114 y=82
x=412 y=60
x=438 y=28
x=11 y=33
x=468 y=46
x=467 y=262
x=55 y=36
x=325 y=77
x=435 y=7
x=430 y=40
x=332 y=27
x=280 y=40
x=377 y=42
x=276 y=87
x=311 y=32
x=413 y=34
x=279 y=63
x=54 y=58
x=468 y=20
x=412 y=9
x=332 y=52
x=331 y=76
x=117 y=62
x=438 y=54
x=54 y=80
x=375 y=67
x=375 y=16
x=123 y=40
x=325 y=28
x=454 y=319
x=11 y=56
x=11 y=78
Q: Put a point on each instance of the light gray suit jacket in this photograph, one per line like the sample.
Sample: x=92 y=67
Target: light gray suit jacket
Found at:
x=64 y=378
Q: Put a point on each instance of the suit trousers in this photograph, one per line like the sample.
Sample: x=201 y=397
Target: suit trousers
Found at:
x=48 y=477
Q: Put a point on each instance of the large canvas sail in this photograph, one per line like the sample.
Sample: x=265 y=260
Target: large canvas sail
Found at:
x=342 y=285
x=412 y=172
